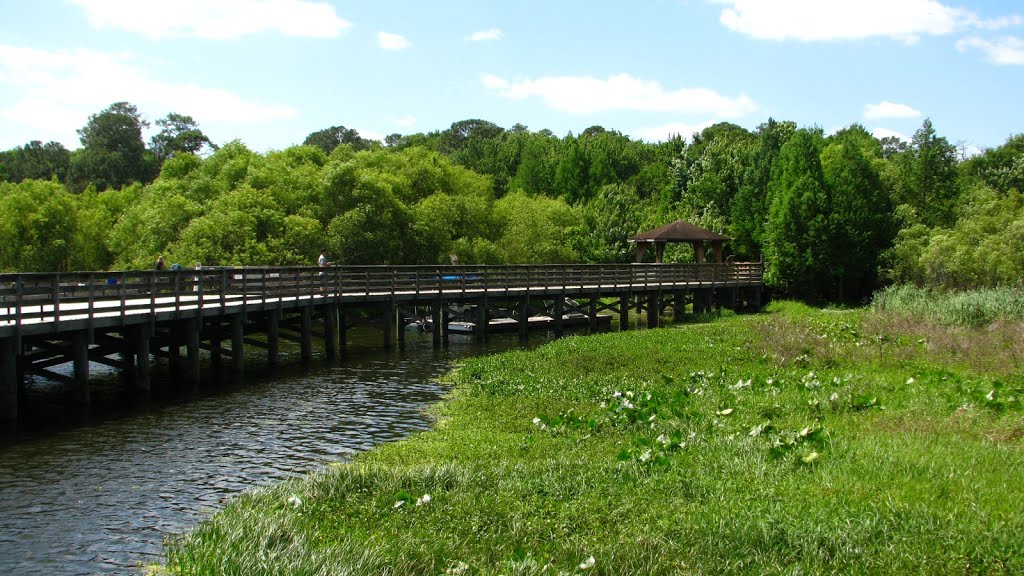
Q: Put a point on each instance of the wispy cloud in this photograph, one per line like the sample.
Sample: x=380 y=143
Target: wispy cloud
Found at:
x=1006 y=51
x=485 y=35
x=405 y=121
x=587 y=95
x=886 y=109
x=886 y=133
x=216 y=19
x=55 y=92
x=389 y=41
x=824 y=20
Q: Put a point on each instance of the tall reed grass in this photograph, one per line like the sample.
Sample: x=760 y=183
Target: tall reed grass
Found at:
x=974 y=308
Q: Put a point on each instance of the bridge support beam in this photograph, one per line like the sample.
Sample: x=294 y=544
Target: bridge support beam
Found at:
x=237 y=343
x=331 y=330
x=80 y=361
x=678 y=306
x=435 y=323
x=482 y=322
x=400 y=326
x=388 y=311
x=559 y=311
x=10 y=383
x=624 y=312
x=701 y=301
x=192 y=327
x=307 y=334
x=653 y=308
x=342 y=331
x=524 y=317
x=273 y=335
x=142 y=335
x=446 y=317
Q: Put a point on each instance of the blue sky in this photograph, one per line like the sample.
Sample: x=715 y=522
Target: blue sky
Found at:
x=269 y=72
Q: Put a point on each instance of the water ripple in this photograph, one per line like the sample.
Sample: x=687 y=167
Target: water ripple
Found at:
x=101 y=499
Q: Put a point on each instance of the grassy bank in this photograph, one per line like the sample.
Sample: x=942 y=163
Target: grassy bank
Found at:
x=797 y=441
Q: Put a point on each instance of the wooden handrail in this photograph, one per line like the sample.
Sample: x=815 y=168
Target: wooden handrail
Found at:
x=42 y=297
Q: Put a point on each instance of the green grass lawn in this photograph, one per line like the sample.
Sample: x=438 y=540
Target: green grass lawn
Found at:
x=792 y=442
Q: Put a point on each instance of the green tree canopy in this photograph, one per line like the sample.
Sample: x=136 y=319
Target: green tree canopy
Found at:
x=178 y=133
x=36 y=161
x=113 y=154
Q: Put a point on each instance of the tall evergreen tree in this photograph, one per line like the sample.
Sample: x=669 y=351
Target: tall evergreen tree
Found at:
x=796 y=236
x=748 y=209
x=36 y=161
x=927 y=177
x=860 y=217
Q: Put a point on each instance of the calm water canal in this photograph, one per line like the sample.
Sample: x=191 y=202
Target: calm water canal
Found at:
x=100 y=498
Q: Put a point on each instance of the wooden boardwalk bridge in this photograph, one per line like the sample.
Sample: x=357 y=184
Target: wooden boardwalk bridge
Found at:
x=125 y=319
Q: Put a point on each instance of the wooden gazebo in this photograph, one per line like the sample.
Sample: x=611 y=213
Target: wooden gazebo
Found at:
x=679 y=231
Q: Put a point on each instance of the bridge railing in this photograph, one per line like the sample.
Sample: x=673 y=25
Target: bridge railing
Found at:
x=56 y=297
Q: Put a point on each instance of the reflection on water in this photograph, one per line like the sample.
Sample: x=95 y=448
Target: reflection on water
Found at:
x=101 y=498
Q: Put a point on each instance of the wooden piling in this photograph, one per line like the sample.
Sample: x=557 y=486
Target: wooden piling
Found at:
x=307 y=333
x=192 y=328
x=80 y=360
x=482 y=321
x=624 y=312
x=273 y=335
x=435 y=322
x=331 y=330
x=10 y=385
x=653 y=307
x=388 y=311
x=524 y=317
x=342 y=331
x=238 y=343
x=559 y=311
x=143 y=333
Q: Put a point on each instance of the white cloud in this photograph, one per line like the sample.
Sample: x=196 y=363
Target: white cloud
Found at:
x=665 y=131
x=389 y=41
x=886 y=109
x=885 y=133
x=405 y=121
x=1005 y=51
x=216 y=19
x=995 y=23
x=53 y=93
x=370 y=135
x=483 y=35
x=587 y=95
x=822 y=20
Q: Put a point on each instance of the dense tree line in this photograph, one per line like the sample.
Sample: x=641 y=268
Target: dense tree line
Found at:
x=833 y=216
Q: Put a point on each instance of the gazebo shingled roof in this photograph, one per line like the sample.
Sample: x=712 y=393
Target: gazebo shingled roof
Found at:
x=679 y=231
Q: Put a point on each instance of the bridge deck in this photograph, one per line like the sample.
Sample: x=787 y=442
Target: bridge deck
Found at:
x=40 y=303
